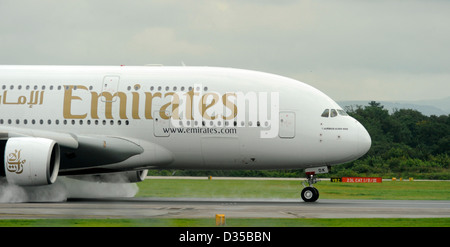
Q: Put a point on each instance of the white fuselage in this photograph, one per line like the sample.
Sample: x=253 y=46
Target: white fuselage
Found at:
x=137 y=104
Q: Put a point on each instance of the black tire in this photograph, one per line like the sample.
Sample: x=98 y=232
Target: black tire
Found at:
x=317 y=194
x=310 y=194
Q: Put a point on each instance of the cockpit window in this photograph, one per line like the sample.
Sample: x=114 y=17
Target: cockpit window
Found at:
x=342 y=112
x=333 y=113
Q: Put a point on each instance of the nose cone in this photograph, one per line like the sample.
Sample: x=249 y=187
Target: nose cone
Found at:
x=364 y=140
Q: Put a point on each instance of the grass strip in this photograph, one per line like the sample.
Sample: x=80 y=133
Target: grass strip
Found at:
x=288 y=189
x=230 y=222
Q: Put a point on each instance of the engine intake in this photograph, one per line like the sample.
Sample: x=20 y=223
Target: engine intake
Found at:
x=31 y=161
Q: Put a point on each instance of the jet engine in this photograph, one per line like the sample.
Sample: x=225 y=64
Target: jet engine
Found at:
x=31 y=161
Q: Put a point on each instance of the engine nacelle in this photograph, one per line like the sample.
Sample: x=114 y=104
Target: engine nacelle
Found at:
x=31 y=161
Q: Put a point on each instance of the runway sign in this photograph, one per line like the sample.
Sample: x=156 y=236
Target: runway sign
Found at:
x=220 y=220
x=357 y=180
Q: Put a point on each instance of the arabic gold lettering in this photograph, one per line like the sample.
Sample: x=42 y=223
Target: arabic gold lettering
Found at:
x=14 y=163
x=33 y=98
x=41 y=99
x=20 y=101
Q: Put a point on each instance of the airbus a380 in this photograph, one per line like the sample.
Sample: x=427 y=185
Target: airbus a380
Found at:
x=83 y=121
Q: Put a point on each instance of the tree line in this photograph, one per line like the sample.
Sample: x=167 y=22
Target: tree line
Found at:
x=405 y=144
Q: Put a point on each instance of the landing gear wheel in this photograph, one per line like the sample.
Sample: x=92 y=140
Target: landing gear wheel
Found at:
x=310 y=194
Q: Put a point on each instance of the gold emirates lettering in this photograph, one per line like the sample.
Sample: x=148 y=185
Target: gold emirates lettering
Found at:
x=120 y=97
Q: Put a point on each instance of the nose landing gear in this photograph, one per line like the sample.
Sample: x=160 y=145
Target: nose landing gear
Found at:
x=310 y=193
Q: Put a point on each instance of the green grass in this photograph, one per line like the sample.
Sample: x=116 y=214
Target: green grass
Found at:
x=288 y=189
x=258 y=222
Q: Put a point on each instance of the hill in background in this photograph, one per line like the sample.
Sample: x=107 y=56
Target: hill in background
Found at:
x=426 y=107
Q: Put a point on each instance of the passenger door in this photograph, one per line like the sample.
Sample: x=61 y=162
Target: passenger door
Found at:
x=287 y=124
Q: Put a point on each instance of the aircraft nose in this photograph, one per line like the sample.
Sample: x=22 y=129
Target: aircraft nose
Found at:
x=364 y=140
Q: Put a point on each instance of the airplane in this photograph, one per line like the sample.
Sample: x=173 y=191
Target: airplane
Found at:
x=98 y=121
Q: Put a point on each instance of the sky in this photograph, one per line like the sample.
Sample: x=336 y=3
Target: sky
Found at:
x=350 y=50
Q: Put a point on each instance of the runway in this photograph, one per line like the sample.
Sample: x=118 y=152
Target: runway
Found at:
x=232 y=208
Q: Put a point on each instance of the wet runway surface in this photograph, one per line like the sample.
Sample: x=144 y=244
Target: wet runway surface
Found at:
x=237 y=208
